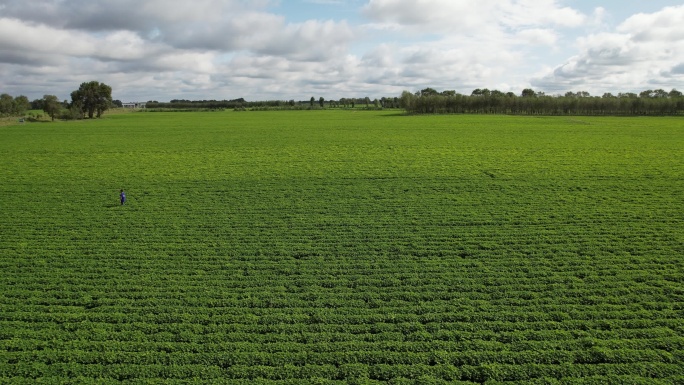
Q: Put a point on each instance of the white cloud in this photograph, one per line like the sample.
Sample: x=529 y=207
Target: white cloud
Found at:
x=189 y=40
x=537 y=36
x=530 y=13
x=165 y=49
x=488 y=43
x=50 y=42
x=599 y=18
x=312 y=40
x=381 y=56
x=42 y=39
x=642 y=53
x=326 y=2
x=666 y=25
x=471 y=16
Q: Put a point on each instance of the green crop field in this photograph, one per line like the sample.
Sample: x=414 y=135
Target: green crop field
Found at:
x=334 y=247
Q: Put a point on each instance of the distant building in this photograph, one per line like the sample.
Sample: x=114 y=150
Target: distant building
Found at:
x=133 y=105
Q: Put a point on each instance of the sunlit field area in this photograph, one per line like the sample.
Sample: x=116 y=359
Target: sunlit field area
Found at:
x=335 y=247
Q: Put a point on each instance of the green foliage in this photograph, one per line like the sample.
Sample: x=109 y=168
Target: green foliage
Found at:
x=334 y=247
x=91 y=98
x=484 y=101
x=14 y=106
x=51 y=105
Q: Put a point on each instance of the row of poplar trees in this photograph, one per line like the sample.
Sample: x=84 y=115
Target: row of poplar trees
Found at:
x=484 y=101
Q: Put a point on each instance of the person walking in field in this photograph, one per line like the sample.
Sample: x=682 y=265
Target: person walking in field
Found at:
x=122 y=196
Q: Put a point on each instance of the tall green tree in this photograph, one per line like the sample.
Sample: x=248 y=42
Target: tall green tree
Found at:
x=647 y=94
x=20 y=105
x=51 y=105
x=37 y=104
x=6 y=104
x=528 y=92
x=92 y=98
x=660 y=93
x=407 y=101
x=428 y=92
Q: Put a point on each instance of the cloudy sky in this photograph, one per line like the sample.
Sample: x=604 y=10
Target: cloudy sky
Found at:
x=295 y=49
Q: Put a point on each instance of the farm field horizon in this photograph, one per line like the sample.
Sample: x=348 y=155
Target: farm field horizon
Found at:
x=332 y=247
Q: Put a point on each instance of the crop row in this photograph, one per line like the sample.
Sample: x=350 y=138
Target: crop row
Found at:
x=348 y=372
x=300 y=353
x=456 y=318
x=458 y=301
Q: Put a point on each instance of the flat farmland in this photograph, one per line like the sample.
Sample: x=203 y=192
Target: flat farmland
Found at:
x=335 y=247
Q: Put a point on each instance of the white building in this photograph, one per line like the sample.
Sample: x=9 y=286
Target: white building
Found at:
x=133 y=105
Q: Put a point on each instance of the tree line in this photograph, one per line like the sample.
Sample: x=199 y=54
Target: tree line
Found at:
x=483 y=101
x=90 y=100
x=480 y=101
x=93 y=98
x=13 y=106
x=242 y=104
